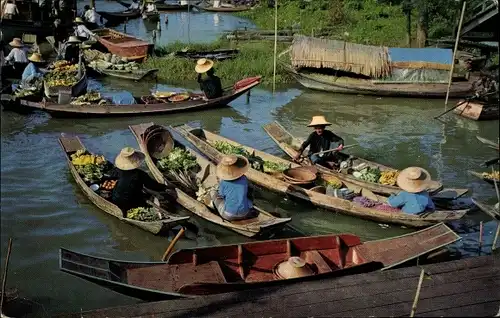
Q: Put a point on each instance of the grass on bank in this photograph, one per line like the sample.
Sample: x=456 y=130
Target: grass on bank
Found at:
x=255 y=58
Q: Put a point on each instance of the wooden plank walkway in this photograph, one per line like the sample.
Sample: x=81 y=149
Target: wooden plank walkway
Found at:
x=468 y=287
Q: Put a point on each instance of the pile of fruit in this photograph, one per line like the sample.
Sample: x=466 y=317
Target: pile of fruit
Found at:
x=178 y=159
x=109 y=184
x=495 y=175
x=333 y=182
x=91 y=97
x=143 y=214
x=389 y=177
x=368 y=174
x=62 y=74
x=89 y=166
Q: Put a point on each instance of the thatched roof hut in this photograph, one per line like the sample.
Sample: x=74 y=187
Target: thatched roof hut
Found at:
x=372 y=61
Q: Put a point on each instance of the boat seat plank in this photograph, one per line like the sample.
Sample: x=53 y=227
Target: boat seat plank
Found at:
x=71 y=144
x=314 y=257
x=259 y=270
x=166 y=277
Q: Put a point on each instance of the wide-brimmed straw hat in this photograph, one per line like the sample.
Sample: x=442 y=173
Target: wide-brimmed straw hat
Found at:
x=203 y=65
x=415 y=179
x=232 y=167
x=73 y=39
x=78 y=20
x=36 y=58
x=318 y=121
x=129 y=159
x=16 y=42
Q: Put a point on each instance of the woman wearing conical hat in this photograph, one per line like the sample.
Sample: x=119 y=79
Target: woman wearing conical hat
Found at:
x=17 y=54
x=32 y=72
x=231 y=200
x=210 y=85
x=319 y=140
x=71 y=50
x=414 y=198
x=127 y=193
x=81 y=31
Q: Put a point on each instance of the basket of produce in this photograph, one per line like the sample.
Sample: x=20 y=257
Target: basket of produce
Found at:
x=299 y=175
x=163 y=94
x=368 y=174
x=389 y=177
x=178 y=98
x=148 y=99
x=159 y=143
x=90 y=166
x=143 y=214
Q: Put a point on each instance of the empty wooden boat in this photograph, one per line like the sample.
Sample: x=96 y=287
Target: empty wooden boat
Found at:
x=146 y=105
x=477 y=110
x=205 y=141
x=122 y=44
x=290 y=144
x=484 y=177
x=71 y=145
x=263 y=225
x=227 y=268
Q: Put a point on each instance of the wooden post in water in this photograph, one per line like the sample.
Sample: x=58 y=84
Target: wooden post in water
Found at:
x=275 y=42
x=454 y=54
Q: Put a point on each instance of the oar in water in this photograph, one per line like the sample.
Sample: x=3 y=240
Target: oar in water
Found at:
x=172 y=244
x=468 y=99
x=330 y=150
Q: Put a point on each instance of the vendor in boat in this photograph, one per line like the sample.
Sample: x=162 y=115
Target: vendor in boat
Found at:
x=232 y=199
x=211 y=85
x=150 y=7
x=32 y=72
x=127 y=193
x=414 y=198
x=17 y=54
x=90 y=16
x=71 y=50
x=320 y=140
x=81 y=31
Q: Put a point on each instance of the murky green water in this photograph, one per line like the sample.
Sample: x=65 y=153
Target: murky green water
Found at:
x=42 y=208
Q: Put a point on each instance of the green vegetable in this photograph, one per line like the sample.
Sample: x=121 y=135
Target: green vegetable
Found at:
x=179 y=159
x=368 y=174
x=229 y=149
x=270 y=167
x=143 y=214
x=91 y=172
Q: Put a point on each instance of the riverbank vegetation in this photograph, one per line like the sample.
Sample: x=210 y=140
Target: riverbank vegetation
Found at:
x=255 y=58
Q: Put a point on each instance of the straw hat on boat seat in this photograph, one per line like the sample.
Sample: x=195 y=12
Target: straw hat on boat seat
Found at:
x=203 y=65
x=129 y=159
x=78 y=20
x=415 y=179
x=73 y=39
x=36 y=58
x=16 y=42
x=232 y=167
x=318 y=121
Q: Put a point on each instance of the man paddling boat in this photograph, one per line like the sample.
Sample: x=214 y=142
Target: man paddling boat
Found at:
x=320 y=140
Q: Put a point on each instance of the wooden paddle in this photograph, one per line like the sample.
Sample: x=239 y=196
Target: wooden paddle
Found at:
x=172 y=243
x=327 y=151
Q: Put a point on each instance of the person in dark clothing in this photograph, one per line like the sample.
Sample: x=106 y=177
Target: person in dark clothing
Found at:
x=211 y=85
x=72 y=50
x=127 y=193
x=59 y=32
x=321 y=140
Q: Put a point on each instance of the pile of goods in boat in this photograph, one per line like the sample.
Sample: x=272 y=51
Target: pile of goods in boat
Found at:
x=178 y=159
x=109 y=185
x=333 y=182
x=202 y=193
x=62 y=74
x=28 y=91
x=491 y=175
x=274 y=167
x=389 y=177
x=108 y=61
x=143 y=214
x=89 y=166
x=178 y=97
x=158 y=94
x=367 y=203
x=368 y=174
x=91 y=97
x=100 y=64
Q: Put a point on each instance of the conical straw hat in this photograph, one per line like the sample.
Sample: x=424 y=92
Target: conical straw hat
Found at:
x=73 y=39
x=36 y=57
x=318 y=121
x=78 y=20
x=129 y=159
x=16 y=42
x=203 y=65
x=232 y=167
x=415 y=179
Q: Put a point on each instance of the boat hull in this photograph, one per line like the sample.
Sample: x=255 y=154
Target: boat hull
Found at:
x=478 y=111
x=122 y=44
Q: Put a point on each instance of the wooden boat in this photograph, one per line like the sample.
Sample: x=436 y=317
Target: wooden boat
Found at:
x=219 y=55
x=203 y=140
x=79 y=88
x=478 y=111
x=72 y=144
x=488 y=209
x=290 y=144
x=151 y=16
x=141 y=108
x=263 y=225
x=162 y=6
x=484 y=178
x=135 y=75
x=346 y=85
x=489 y=143
x=122 y=44
x=120 y=16
x=222 y=9
x=237 y=267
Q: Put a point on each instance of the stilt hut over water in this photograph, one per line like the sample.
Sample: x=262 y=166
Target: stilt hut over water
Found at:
x=343 y=67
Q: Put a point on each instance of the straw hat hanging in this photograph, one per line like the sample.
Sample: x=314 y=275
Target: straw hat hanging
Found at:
x=318 y=121
x=16 y=42
x=129 y=159
x=415 y=179
x=203 y=65
x=232 y=167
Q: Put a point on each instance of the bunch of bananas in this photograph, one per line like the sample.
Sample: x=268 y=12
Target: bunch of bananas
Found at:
x=81 y=158
x=389 y=177
x=62 y=75
x=491 y=175
x=61 y=63
x=333 y=182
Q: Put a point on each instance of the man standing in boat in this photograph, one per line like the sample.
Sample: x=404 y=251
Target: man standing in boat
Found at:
x=211 y=85
x=319 y=141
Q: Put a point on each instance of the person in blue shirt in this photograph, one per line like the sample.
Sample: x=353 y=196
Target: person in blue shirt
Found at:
x=231 y=200
x=414 y=198
x=32 y=71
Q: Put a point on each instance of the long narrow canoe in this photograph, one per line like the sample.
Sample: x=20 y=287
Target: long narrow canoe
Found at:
x=290 y=144
x=72 y=144
x=222 y=9
x=203 y=140
x=119 y=16
x=264 y=224
x=491 y=210
x=135 y=75
x=484 y=178
x=228 y=268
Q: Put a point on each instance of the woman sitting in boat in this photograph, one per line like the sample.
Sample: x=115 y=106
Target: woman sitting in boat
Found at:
x=320 y=140
x=211 y=85
x=71 y=50
x=127 y=193
x=81 y=31
x=231 y=200
x=414 y=198
x=17 y=54
x=32 y=72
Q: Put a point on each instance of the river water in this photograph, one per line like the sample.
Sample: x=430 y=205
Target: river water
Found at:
x=43 y=209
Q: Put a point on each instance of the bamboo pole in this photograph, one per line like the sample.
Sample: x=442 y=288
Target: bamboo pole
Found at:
x=171 y=245
x=275 y=42
x=494 y=245
x=4 y=278
x=480 y=236
x=417 y=294
x=454 y=54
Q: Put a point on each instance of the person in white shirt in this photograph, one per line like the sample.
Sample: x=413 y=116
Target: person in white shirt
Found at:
x=134 y=6
x=10 y=10
x=17 y=55
x=150 y=7
x=81 y=31
x=91 y=16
